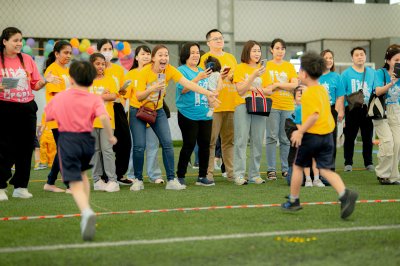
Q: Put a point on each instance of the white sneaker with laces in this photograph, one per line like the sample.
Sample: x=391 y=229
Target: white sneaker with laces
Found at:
x=88 y=225
x=308 y=183
x=137 y=185
x=3 y=194
x=318 y=183
x=100 y=185
x=175 y=185
x=240 y=181
x=22 y=193
x=112 y=186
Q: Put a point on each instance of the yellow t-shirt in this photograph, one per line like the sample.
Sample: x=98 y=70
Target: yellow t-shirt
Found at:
x=98 y=87
x=283 y=73
x=242 y=73
x=133 y=76
x=147 y=78
x=228 y=94
x=117 y=73
x=315 y=99
x=53 y=89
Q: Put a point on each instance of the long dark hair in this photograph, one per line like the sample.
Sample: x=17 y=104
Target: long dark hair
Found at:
x=391 y=51
x=102 y=42
x=52 y=56
x=137 y=51
x=324 y=52
x=6 y=35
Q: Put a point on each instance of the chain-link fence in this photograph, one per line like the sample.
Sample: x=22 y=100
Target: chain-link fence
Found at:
x=305 y=25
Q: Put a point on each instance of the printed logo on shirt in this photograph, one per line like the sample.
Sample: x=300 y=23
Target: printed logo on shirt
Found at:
x=326 y=86
x=280 y=77
x=356 y=85
x=66 y=81
x=22 y=92
x=393 y=94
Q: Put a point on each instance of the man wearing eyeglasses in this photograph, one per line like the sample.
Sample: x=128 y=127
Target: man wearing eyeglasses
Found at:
x=223 y=115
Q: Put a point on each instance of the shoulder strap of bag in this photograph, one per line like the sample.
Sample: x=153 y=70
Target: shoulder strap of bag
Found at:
x=384 y=77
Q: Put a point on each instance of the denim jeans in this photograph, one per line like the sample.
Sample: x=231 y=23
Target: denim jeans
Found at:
x=152 y=168
x=276 y=130
x=163 y=133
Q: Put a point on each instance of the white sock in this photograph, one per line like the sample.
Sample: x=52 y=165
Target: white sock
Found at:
x=316 y=177
x=308 y=178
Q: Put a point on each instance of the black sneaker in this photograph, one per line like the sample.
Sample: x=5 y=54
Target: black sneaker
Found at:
x=124 y=181
x=291 y=206
x=348 y=202
x=182 y=180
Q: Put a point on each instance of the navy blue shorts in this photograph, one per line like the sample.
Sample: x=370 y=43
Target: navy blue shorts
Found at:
x=320 y=147
x=75 y=150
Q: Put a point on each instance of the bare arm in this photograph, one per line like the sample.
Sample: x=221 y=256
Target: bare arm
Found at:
x=244 y=86
x=201 y=75
x=287 y=86
x=142 y=95
x=339 y=107
x=107 y=96
x=105 y=120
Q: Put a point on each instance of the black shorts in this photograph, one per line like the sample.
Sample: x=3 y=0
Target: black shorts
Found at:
x=36 y=143
x=319 y=147
x=75 y=150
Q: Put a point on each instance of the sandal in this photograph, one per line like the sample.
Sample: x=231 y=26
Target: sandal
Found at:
x=271 y=175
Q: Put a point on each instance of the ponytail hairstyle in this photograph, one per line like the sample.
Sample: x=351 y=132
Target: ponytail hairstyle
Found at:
x=391 y=51
x=137 y=51
x=333 y=56
x=6 y=35
x=52 y=56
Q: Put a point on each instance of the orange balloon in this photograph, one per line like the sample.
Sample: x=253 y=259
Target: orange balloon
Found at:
x=74 y=42
x=90 y=50
x=120 y=54
x=127 y=50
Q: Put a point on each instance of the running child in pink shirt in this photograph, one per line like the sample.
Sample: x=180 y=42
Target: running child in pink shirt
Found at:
x=75 y=110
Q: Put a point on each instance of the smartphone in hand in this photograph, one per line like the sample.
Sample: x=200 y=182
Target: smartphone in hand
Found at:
x=396 y=70
x=227 y=69
x=210 y=65
x=161 y=77
x=126 y=84
x=263 y=62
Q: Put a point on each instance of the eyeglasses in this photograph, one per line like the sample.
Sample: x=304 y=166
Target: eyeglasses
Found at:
x=216 y=39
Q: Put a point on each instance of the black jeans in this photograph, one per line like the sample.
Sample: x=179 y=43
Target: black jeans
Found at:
x=55 y=168
x=16 y=142
x=123 y=147
x=335 y=115
x=193 y=131
x=357 y=119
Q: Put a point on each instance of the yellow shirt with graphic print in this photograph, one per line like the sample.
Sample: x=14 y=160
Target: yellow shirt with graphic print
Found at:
x=283 y=73
x=133 y=76
x=228 y=94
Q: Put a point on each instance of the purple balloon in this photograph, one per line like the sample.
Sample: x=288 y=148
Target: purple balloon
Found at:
x=131 y=55
x=30 y=42
x=113 y=43
x=75 y=51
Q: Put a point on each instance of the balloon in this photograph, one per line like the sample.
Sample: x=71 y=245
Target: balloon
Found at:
x=23 y=42
x=126 y=44
x=46 y=54
x=83 y=47
x=115 y=53
x=48 y=48
x=30 y=42
x=27 y=50
x=113 y=43
x=131 y=55
x=90 y=50
x=74 y=42
x=126 y=62
x=75 y=51
x=127 y=50
x=120 y=54
x=85 y=42
x=51 y=42
x=120 y=46
x=85 y=56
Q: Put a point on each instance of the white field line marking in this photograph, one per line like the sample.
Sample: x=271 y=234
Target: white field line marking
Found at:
x=195 y=238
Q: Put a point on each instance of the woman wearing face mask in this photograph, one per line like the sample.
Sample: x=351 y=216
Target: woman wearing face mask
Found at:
x=333 y=84
x=388 y=130
x=123 y=147
x=18 y=112
x=284 y=81
x=151 y=87
x=143 y=57
x=57 y=64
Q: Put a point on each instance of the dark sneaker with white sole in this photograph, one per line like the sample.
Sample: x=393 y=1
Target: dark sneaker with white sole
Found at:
x=203 y=181
x=291 y=206
x=348 y=203
x=124 y=181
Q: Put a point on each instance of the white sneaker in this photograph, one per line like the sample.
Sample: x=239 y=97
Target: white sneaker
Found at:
x=100 y=185
x=112 y=186
x=308 y=183
x=256 y=180
x=3 y=194
x=88 y=225
x=137 y=185
x=157 y=181
x=240 y=181
x=22 y=193
x=216 y=166
x=224 y=174
x=318 y=183
x=175 y=185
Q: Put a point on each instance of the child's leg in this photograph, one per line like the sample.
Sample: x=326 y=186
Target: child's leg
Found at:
x=81 y=192
x=315 y=169
x=297 y=180
x=335 y=180
x=307 y=172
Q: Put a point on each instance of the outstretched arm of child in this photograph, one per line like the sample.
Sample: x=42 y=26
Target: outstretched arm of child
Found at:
x=105 y=120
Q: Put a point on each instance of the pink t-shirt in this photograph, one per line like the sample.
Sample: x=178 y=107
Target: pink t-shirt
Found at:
x=75 y=110
x=13 y=69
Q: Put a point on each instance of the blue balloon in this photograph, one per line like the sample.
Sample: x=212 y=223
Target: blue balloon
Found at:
x=48 y=48
x=50 y=42
x=120 y=46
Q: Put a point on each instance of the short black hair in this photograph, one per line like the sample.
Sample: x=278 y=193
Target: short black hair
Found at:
x=217 y=65
x=275 y=41
x=313 y=64
x=185 y=52
x=102 y=42
x=357 y=48
x=83 y=72
x=211 y=31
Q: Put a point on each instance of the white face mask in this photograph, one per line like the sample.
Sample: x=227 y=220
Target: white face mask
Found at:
x=108 y=55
